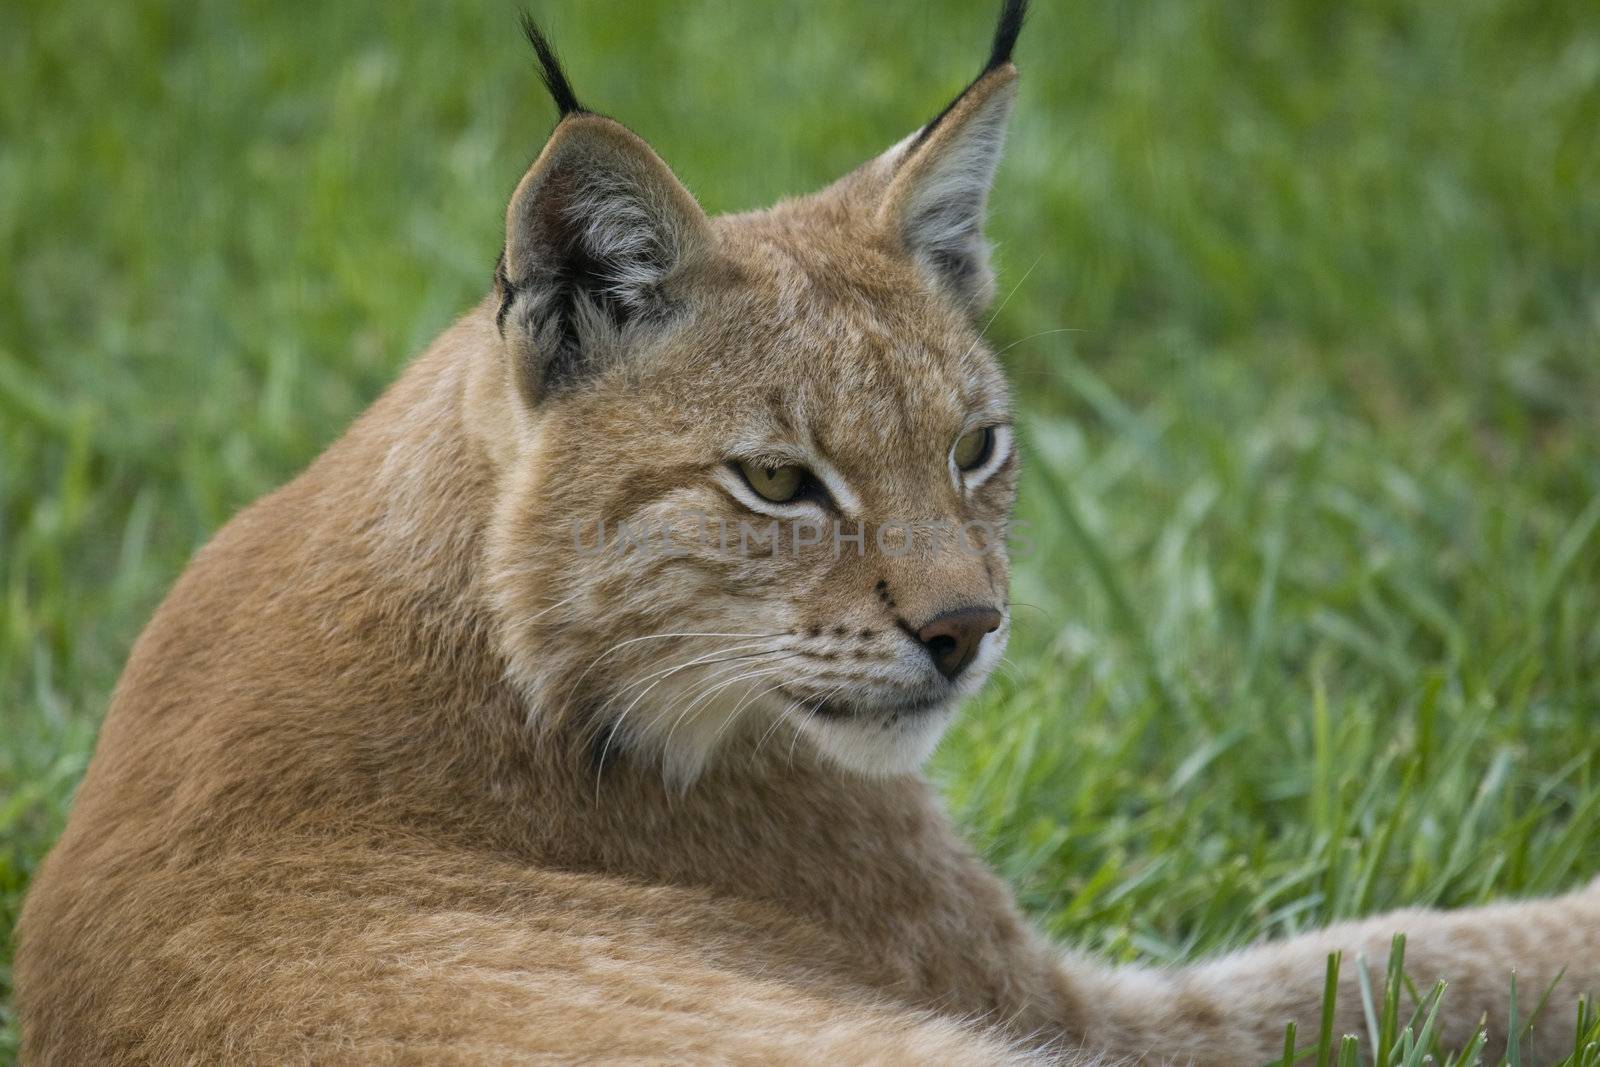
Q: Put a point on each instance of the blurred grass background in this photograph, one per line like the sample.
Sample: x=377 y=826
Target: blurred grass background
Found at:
x=1304 y=317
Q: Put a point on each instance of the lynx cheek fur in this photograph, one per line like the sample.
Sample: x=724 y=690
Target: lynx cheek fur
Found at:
x=404 y=770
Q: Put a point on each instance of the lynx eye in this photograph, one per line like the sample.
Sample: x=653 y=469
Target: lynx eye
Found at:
x=777 y=484
x=973 y=448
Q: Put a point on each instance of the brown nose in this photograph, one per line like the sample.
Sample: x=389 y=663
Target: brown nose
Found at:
x=952 y=639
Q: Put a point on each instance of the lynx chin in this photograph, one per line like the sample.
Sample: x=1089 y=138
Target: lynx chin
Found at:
x=398 y=775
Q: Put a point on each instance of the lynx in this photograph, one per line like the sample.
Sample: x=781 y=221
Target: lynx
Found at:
x=425 y=759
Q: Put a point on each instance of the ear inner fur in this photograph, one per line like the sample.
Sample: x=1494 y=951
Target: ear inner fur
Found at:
x=937 y=198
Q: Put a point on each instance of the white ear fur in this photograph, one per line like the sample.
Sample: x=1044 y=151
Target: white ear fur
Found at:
x=622 y=225
x=595 y=229
x=938 y=196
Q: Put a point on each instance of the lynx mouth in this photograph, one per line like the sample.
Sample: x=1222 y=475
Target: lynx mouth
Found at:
x=889 y=713
x=875 y=734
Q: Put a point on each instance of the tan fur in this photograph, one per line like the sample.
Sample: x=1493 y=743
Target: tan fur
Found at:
x=363 y=795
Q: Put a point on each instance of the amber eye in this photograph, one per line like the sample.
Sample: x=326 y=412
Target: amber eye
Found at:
x=974 y=448
x=777 y=484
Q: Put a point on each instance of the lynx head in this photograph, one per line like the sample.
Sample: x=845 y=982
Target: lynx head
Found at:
x=762 y=467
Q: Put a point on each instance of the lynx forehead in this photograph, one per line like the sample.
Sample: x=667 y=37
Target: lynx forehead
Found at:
x=814 y=367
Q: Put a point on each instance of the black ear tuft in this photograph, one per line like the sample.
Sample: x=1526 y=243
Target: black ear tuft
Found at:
x=1012 y=14
x=550 y=72
x=1005 y=33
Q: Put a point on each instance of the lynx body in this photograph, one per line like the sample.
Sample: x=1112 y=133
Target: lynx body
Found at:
x=404 y=770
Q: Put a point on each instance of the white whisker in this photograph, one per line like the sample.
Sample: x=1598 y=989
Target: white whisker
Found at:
x=1002 y=307
x=717 y=683
x=744 y=702
x=809 y=715
x=660 y=676
x=704 y=658
x=661 y=637
x=558 y=604
x=1032 y=336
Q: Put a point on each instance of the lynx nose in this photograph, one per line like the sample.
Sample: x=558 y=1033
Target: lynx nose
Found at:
x=952 y=639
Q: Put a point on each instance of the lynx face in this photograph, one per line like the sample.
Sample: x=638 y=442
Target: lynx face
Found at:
x=763 y=465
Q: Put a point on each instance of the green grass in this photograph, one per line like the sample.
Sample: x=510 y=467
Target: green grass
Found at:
x=1313 y=623
x=1400 y=1040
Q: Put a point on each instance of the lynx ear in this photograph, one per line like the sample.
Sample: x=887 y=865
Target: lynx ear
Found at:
x=938 y=191
x=594 y=233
